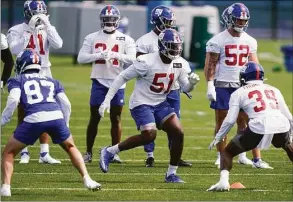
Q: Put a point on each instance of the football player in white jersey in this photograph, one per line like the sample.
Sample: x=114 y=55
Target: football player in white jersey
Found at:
x=109 y=51
x=226 y=53
x=162 y=17
x=269 y=119
x=156 y=73
x=35 y=32
x=7 y=59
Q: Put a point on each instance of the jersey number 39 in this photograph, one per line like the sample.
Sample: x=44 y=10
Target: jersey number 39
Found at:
x=270 y=95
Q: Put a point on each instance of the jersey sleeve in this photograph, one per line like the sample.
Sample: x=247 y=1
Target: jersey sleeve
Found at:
x=186 y=66
x=141 y=47
x=4 y=44
x=213 y=46
x=253 y=46
x=13 y=83
x=58 y=87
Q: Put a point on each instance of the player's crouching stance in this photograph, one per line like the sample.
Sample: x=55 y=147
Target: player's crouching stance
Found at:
x=155 y=73
x=268 y=114
x=47 y=109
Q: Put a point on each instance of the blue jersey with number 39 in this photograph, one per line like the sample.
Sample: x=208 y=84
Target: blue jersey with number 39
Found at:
x=38 y=93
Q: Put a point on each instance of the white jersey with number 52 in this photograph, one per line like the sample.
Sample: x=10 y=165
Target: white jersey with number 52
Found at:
x=265 y=107
x=234 y=52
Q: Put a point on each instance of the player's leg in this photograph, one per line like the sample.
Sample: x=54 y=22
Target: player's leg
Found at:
x=282 y=140
x=98 y=93
x=60 y=134
x=240 y=143
x=241 y=126
x=24 y=154
x=174 y=103
x=115 y=117
x=145 y=121
x=25 y=134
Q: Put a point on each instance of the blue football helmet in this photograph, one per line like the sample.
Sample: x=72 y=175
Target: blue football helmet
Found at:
x=238 y=12
x=170 y=43
x=109 y=17
x=28 y=59
x=251 y=71
x=33 y=7
x=162 y=17
x=226 y=19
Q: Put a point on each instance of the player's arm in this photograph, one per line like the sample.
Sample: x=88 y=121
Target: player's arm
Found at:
x=65 y=106
x=7 y=59
x=141 y=49
x=231 y=118
x=12 y=103
x=86 y=54
x=284 y=108
x=252 y=56
x=130 y=52
x=17 y=42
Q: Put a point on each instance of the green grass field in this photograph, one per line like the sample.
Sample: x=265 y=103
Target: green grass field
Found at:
x=131 y=180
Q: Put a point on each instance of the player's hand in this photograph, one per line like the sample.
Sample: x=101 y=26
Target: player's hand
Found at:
x=193 y=78
x=104 y=106
x=105 y=54
x=34 y=22
x=211 y=94
x=115 y=55
x=45 y=19
x=213 y=143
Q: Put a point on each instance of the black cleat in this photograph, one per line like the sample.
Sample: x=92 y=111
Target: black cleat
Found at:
x=183 y=163
x=150 y=162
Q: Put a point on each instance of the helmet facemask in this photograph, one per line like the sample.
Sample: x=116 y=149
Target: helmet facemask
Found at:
x=172 y=49
x=239 y=25
x=165 y=23
x=110 y=23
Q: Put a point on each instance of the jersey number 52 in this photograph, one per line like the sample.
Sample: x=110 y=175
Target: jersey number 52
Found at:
x=231 y=52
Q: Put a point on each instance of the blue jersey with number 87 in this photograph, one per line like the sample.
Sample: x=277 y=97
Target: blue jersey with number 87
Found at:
x=38 y=93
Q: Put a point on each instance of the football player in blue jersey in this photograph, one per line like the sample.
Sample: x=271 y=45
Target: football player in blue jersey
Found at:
x=46 y=108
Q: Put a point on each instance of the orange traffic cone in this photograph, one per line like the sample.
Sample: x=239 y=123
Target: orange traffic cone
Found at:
x=237 y=185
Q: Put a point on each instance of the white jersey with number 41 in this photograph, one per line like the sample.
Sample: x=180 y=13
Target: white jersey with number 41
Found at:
x=234 y=52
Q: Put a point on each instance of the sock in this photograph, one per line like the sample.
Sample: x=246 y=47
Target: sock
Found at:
x=172 y=170
x=5 y=186
x=255 y=160
x=114 y=149
x=224 y=175
x=44 y=148
x=218 y=154
x=150 y=154
x=242 y=155
x=24 y=150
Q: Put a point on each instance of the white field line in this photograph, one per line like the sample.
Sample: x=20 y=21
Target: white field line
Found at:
x=161 y=174
x=162 y=161
x=129 y=189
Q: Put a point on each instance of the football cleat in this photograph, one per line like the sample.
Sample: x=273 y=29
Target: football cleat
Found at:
x=87 y=158
x=173 y=179
x=92 y=185
x=150 y=162
x=183 y=163
x=105 y=159
x=48 y=159
x=116 y=159
x=244 y=160
x=24 y=158
x=261 y=164
x=220 y=186
x=5 y=191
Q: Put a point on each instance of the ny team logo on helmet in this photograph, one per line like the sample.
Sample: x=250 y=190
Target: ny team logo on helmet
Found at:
x=251 y=71
x=162 y=17
x=34 y=7
x=109 y=17
x=28 y=59
x=170 y=43
x=238 y=11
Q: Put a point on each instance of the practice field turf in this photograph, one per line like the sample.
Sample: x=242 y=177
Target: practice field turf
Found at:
x=131 y=180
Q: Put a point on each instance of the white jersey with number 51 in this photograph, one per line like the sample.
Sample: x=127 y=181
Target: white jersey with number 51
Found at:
x=234 y=52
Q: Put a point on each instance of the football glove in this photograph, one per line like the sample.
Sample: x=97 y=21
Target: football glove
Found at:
x=104 y=106
x=45 y=19
x=115 y=55
x=193 y=78
x=211 y=94
x=34 y=22
x=220 y=186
